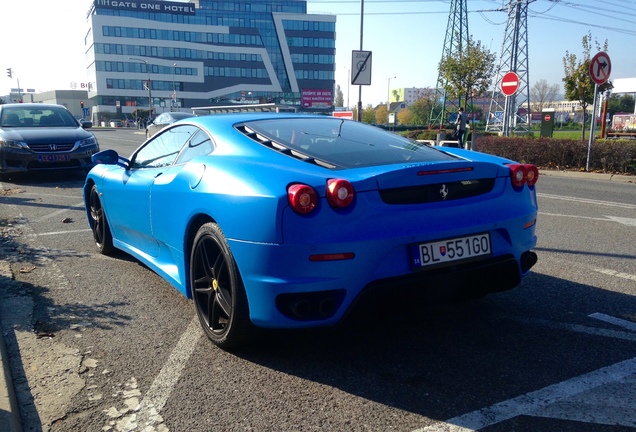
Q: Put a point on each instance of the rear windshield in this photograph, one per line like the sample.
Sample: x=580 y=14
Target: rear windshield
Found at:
x=345 y=143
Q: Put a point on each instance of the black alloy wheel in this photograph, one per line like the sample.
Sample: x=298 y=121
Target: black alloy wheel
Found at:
x=217 y=290
x=99 y=224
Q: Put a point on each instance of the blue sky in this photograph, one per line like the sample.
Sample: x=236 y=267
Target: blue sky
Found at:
x=406 y=38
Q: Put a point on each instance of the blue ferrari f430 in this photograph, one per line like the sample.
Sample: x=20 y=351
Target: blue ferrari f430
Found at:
x=284 y=220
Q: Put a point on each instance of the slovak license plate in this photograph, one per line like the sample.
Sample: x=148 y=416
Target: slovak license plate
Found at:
x=53 y=158
x=449 y=250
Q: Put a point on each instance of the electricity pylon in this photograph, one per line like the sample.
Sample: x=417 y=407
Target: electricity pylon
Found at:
x=507 y=118
x=455 y=41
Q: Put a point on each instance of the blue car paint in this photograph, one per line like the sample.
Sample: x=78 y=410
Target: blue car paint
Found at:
x=242 y=187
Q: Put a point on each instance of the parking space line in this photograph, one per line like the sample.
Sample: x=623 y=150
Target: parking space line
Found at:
x=613 y=320
x=532 y=403
x=59 y=212
x=587 y=201
x=60 y=232
x=156 y=397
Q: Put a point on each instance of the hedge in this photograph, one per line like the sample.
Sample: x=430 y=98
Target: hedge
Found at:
x=612 y=156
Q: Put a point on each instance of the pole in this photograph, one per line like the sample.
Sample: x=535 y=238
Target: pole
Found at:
x=149 y=85
x=592 y=127
x=604 y=114
x=173 y=104
x=361 y=33
x=388 y=99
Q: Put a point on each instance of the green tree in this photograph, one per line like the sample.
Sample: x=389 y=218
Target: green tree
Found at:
x=421 y=110
x=368 y=114
x=339 y=101
x=469 y=69
x=578 y=82
x=616 y=104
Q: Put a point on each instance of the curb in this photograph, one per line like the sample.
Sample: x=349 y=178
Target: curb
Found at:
x=589 y=175
x=9 y=411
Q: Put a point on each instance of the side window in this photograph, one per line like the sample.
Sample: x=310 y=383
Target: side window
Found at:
x=163 y=149
x=199 y=145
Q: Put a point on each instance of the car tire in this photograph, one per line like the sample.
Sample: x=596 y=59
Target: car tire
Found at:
x=217 y=289
x=99 y=224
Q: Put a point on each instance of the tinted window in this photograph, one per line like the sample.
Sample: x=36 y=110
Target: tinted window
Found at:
x=345 y=143
x=162 y=149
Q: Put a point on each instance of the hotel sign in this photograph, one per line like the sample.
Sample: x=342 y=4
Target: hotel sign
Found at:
x=147 y=6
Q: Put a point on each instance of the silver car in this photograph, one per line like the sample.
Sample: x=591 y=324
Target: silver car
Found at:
x=163 y=120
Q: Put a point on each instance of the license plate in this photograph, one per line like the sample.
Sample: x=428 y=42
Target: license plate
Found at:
x=53 y=158
x=451 y=250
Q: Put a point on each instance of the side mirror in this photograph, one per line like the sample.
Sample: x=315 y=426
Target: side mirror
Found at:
x=108 y=157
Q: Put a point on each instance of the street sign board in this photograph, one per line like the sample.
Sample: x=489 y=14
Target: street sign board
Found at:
x=361 y=67
x=600 y=68
x=510 y=83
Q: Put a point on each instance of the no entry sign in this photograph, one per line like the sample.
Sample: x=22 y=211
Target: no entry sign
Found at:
x=510 y=83
x=600 y=68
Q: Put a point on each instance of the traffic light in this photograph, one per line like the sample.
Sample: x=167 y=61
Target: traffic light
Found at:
x=9 y=73
x=82 y=104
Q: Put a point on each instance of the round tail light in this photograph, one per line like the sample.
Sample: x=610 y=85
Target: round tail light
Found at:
x=340 y=193
x=302 y=198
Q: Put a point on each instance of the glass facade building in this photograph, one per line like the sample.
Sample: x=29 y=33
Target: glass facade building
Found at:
x=181 y=55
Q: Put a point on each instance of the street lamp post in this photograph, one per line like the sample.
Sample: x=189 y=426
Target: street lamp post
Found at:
x=388 y=100
x=149 y=84
x=173 y=104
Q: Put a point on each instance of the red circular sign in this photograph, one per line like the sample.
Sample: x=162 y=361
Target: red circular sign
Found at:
x=510 y=83
x=547 y=117
x=600 y=68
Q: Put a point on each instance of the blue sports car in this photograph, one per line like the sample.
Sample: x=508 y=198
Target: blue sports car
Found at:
x=284 y=220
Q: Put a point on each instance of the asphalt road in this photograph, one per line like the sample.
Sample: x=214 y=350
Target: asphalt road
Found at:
x=100 y=343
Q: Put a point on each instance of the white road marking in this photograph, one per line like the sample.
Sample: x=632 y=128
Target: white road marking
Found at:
x=587 y=201
x=629 y=325
x=621 y=220
x=156 y=397
x=60 y=232
x=59 y=212
x=556 y=401
x=531 y=403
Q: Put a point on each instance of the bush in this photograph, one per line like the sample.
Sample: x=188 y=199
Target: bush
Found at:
x=616 y=156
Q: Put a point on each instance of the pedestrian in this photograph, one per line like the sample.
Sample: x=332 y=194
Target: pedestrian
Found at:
x=460 y=123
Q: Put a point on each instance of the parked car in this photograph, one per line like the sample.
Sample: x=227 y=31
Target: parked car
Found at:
x=284 y=220
x=42 y=137
x=163 y=120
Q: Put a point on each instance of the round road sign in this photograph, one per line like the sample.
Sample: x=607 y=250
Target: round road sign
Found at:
x=510 y=83
x=600 y=68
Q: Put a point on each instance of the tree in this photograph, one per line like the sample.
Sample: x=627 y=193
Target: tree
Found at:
x=542 y=92
x=616 y=104
x=405 y=117
x=470 y=69
x=578 y=82
x=339 y=101
x=421 y=109
x=368 y=114
x=381 y=115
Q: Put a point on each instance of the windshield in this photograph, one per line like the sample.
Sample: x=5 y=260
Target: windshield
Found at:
x=37 y=117
x=345 y=143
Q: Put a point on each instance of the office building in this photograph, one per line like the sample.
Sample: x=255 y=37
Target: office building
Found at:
x=170 y=55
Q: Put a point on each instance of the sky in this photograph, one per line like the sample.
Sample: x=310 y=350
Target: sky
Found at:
x=43 y=40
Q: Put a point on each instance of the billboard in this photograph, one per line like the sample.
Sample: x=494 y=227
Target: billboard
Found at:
x=316 y=98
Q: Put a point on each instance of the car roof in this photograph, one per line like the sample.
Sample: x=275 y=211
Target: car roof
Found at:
x=31 y=106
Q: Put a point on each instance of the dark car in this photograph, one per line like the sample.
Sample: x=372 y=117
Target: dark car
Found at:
x=164 y=120
x=41 y=137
